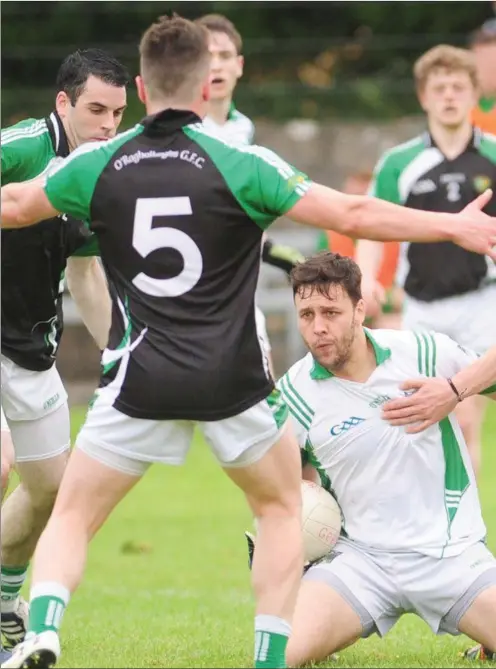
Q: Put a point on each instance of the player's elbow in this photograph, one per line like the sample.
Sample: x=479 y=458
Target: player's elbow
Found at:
x=357 y=219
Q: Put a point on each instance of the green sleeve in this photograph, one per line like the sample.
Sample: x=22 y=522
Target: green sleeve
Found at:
x=264 y=184
x=71 y=185
x=488 y=391
x=384 y=183
x=26 y=151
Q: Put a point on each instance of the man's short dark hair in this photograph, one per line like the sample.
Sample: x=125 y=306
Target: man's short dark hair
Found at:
x=80 y=65
x=217 y=23
x=319 y=272
x=175 y=57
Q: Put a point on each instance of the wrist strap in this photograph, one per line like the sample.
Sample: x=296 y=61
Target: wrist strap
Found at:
x=455 y=389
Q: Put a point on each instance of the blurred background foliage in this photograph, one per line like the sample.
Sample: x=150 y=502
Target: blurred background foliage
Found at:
x=317 y=60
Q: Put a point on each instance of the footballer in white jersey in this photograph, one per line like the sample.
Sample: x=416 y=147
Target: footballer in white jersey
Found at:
x=413 y=536
x=237 y=128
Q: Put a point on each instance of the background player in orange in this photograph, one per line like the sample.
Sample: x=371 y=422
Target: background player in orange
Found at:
x=483 y=46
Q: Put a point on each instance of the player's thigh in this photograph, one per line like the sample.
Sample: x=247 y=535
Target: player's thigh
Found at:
x=46 y=438
x=41 y=478
x=7 y=457
x=323 y=622
x=27 y=394
x=441 y=591
x=113 y=451
x=364 y=584
x=479 y=621
x=131 y=444
x=259 y=452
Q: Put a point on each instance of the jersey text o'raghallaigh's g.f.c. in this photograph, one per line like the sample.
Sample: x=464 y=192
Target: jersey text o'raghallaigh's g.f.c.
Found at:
x=179 y=216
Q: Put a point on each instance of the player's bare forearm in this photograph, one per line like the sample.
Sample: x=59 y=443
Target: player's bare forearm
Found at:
x=24 y=204
x=363 y=217
x=88 y=287
x=478 y=376
x=368 y=256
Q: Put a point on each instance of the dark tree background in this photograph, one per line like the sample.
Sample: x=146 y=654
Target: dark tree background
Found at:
x=313 y=59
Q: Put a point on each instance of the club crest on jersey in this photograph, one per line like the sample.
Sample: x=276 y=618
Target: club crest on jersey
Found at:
x=482 y=183
x=346 y=425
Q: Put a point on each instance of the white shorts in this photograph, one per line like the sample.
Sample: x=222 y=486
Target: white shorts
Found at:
x=4 y=426
x=381 y=586
x=34 y=409
x=469 y=319
x=131 y=444
x=261 y=324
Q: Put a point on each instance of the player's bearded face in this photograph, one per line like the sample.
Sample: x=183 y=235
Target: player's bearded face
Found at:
x=96 y=114
x=448 y=97
x=329 y=324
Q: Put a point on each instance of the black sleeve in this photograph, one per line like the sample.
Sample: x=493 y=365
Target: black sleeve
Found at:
x=77 y=237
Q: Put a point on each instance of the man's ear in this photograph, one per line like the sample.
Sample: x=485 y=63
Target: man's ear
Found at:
x=62 y=104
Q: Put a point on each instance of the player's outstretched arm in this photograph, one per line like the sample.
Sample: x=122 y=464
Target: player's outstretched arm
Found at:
x=434 y=398
x=24 y=204
x=360 y=216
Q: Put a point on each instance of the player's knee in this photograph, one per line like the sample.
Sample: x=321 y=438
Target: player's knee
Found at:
x=42 y=479
x=6 y=460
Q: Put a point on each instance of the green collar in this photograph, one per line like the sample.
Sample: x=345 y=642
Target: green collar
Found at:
x=319 y=373
x=487 y=104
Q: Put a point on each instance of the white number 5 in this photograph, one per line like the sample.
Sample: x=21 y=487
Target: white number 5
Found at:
x=147 y=239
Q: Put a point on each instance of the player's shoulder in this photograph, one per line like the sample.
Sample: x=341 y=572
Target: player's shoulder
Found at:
x=297 y=388
x=400 y=155
x=28 y=136
x=245 y=124
x=101 y=151
x=29 y=129
x=216 y=144
x=487 y=145
x=409 y=345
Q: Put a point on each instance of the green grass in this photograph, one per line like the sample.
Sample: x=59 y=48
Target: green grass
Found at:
x=167 y=583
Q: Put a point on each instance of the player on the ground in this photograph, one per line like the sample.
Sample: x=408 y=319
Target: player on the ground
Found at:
x=179 y=215
x=226 y=66
x=443 y=169
x=413 y=533
x=89 y=105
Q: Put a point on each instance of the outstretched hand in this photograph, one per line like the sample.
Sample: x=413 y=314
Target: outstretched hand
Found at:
x=477 y=230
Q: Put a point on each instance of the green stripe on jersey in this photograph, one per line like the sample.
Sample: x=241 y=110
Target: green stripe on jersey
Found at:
x=426 y=353
x=296 y=404
x=71 y=185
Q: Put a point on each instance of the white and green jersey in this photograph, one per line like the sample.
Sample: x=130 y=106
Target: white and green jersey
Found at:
x=238 y=128
x=397 y=492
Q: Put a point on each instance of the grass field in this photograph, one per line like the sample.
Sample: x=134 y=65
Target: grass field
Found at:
x=167 y=583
